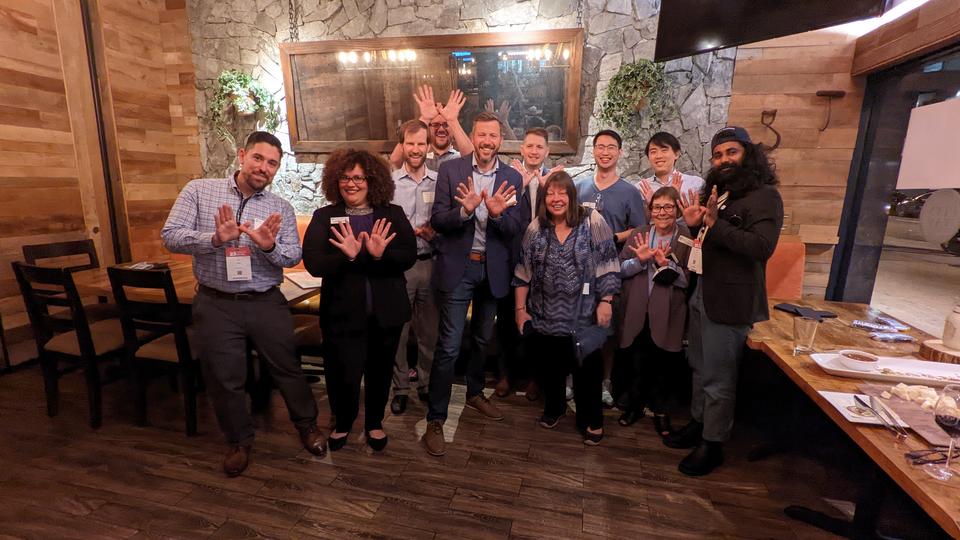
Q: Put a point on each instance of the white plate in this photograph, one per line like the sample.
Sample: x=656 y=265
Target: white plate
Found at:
x=853 y=412
x=893 y=369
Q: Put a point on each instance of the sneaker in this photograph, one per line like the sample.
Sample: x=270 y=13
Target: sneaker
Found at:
x=548 y=422
x=482 y=405
x=592 y=439
x=433 y=438
x=606 y=396
x=413 y=375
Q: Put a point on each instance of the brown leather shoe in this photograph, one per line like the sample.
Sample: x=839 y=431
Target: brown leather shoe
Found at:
x=502 y=389
x=236 y=460
x=483 y=405
x=533 y=393
x=313 y=440
x=433 y=438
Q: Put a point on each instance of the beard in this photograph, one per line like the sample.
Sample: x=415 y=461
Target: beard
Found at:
x=733 y=178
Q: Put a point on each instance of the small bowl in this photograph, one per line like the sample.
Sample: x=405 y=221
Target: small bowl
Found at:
x=858 y=360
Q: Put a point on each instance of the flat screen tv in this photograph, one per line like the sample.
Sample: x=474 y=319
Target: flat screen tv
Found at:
x=689 y=27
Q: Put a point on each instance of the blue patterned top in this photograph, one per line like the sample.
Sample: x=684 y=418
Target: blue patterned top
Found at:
x=555 y=274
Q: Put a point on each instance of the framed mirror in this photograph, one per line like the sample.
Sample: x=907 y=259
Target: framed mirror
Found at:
x=359 y=91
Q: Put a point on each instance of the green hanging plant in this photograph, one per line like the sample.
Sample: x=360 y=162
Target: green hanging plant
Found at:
x=240 y=92
x=637 y=90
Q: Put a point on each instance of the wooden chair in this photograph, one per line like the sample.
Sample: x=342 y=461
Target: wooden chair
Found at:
x=309 y=338
x=35 y=253
x=70 y=339
x=151 y=306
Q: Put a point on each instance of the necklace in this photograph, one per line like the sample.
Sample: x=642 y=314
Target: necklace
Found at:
x=364 y=211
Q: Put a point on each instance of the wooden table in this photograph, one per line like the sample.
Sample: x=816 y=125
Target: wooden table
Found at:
x=941 y=500
x=96 y=282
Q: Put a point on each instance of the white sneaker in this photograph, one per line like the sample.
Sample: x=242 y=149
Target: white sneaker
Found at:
x=569 y=393
x=606 y=396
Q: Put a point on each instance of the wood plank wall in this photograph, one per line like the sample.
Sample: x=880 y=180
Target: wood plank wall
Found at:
x=149 y=74
x=932 y=26
x=813 y=165
x=46 y=177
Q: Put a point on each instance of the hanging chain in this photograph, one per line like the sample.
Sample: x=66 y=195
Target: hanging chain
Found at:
x=293 y=14
x=579 y=13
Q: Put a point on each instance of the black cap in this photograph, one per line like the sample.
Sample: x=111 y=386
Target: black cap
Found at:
x=730 y=133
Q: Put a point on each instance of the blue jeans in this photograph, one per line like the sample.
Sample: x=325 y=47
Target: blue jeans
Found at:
x=453 y=316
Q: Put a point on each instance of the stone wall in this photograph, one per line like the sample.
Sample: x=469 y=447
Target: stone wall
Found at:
x=244 y=34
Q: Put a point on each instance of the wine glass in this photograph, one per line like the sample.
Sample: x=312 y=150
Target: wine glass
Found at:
x=947 y=415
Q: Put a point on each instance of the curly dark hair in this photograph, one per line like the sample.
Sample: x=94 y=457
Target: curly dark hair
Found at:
x=379 y=183
x=755 y=171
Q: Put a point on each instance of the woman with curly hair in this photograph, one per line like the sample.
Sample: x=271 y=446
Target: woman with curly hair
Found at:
x=360 y=245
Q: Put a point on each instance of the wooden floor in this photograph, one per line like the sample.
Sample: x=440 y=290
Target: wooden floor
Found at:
x=508 y=479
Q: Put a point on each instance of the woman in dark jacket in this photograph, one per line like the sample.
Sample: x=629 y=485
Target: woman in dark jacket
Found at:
x=360 y=245
x=653 y=305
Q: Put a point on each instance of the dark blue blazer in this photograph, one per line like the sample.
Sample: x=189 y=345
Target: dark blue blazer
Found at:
x=455 y=236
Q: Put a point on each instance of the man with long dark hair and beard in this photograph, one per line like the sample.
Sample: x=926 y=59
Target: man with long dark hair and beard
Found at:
x=736 y=230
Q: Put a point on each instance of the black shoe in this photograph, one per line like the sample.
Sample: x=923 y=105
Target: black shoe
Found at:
x=592 y=439
x=548 y=422
x=399 y=404
x=424 y=397
x=706 y=457
x=377 y=444
x=630 y=417
x=336 y=444
x=662 y=425
x=686 y=437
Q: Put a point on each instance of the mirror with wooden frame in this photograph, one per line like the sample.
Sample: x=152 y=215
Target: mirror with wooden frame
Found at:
x=359 y=91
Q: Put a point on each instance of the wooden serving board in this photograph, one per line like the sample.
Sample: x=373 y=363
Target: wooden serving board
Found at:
x=919 y=420
x=935 y=351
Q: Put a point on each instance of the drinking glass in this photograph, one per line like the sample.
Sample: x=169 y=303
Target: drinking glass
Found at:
x=804 y=330
x=947 y=415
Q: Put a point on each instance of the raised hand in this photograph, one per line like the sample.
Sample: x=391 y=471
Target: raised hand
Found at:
x=526 y=175
x=504 y=111
x=451 y=111
x=345 y=241
x=488 y=106
x=676 y=181
x=227 y=228
x=467 y=196
x=661 y=253
x=711 y=213
x=646 y=190
x=378 y=238
x=424 y=98
x=692 y=211
x=265 y=235
x=641 y=249
x=498 y=203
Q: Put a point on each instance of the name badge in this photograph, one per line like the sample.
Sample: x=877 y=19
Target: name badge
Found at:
x=590 y=205
x=586 y=289
x=695 y=262
x=428 y=197
x=238 y=264
x=340 y=219
x=685 y=240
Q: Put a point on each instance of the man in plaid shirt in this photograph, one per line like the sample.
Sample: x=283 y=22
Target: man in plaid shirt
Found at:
x=238 y=260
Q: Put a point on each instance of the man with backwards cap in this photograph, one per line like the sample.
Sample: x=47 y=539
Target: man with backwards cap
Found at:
x=734 y=234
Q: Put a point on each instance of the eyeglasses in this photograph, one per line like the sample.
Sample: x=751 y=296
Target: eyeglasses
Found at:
x=438 y=125
x=930 y=455
x=606 y=147
x=657 y=208
x=357 y=180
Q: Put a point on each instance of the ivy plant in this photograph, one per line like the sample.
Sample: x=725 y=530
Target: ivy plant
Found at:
x=238 y=93
x=638 y=89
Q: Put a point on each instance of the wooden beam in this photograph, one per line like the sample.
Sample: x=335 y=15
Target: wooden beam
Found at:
x=932 y=26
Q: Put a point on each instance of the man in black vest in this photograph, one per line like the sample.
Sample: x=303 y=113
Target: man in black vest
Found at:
x=735 y=233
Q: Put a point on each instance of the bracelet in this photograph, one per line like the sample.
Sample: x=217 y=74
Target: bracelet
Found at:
x=604 y=300
x=521 y=308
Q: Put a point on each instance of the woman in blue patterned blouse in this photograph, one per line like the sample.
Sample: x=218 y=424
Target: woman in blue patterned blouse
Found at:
x=568 y=258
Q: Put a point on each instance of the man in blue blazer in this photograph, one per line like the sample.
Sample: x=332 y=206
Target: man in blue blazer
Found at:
x=476 y=216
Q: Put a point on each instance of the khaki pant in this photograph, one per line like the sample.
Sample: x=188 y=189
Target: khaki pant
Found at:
x=424 y=322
